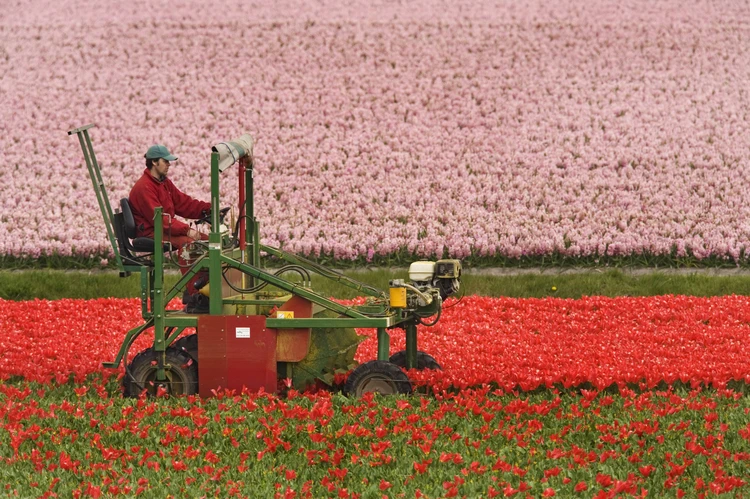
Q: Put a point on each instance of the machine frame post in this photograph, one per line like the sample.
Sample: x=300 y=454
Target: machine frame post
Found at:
x=214 y=242
x=146 y=299
x=384 y=344
x=411 y=344
x=159 y=305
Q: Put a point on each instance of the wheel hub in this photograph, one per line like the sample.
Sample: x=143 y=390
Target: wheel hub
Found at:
x=152 y=385
x=377 y=384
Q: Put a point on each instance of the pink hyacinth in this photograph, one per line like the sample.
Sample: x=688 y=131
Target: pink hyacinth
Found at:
x=576 y=127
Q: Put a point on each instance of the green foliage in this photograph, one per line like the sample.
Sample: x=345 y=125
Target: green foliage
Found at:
x=56 y=284
x=84 y=440
x=609 y=283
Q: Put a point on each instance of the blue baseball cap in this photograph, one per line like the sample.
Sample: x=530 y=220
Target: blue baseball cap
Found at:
x=159 y=151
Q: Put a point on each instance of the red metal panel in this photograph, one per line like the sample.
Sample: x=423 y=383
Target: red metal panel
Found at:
x=251 y=361
x=235 y=352
x=212 y=347
x=293 y=344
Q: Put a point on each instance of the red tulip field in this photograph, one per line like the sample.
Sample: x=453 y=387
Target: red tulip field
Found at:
x=479 y=133
x=598 y=397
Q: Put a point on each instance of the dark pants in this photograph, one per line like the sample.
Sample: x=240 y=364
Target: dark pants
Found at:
x=179 y=242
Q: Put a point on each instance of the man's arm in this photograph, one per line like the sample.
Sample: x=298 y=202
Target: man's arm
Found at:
x=186 y=206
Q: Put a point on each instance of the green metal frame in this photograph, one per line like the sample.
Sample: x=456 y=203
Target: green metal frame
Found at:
x=96 y=179
x=168 y=324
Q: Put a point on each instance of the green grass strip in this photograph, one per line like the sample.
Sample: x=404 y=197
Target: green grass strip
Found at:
x=58 y=284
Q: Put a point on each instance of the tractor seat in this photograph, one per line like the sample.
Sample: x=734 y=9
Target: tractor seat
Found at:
x=127 y=240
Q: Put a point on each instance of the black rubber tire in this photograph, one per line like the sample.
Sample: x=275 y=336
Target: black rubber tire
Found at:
x=424 y=360
x=181 y=371
x=377 y=376
x=189 y=345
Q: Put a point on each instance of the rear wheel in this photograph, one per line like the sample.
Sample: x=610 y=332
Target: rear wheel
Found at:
x=424 y=360
x=189 y=345
x=377 y=376
x=180 y=370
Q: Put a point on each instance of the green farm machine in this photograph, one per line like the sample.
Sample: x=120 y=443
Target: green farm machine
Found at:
x=262 y=326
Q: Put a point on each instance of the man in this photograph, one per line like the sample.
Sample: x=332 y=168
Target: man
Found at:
x=154 y=189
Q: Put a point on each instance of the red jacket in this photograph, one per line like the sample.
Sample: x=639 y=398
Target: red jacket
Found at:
x=148 y=193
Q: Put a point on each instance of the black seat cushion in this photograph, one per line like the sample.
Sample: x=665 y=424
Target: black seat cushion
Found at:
x=127 y=218
x=143 y=245
x=139 y=244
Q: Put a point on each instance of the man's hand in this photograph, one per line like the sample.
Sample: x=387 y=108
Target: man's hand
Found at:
x=206 y=216
x=194 y=234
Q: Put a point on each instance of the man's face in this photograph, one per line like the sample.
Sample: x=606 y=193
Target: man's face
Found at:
x=160 y=168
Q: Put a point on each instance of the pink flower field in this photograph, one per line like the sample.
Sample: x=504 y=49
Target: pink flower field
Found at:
x=487 y=128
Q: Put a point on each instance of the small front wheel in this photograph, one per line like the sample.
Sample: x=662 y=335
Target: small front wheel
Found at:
x=377 y=376
x=180 y=370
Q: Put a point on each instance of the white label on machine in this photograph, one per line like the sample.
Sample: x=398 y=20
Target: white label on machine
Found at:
x=242 y=332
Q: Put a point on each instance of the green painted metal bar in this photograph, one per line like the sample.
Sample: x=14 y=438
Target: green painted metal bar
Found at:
x=101 y=194
x=158 y=307
x=384 y=344
x=179 y=285
x=214 y=279
x=238 y=301
x=81 y=129
x=176 y=331
x=129 y=338
x=215 y=206
x=331 y=322
x=411 y=345
x=151 y=277
x=100 y=181
x=185 y=278
x=337 y=277
x=256 y=242
x=214 y=243
x=291 y=288
x=168 y=332
x=145 y=291
x=180 y=319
